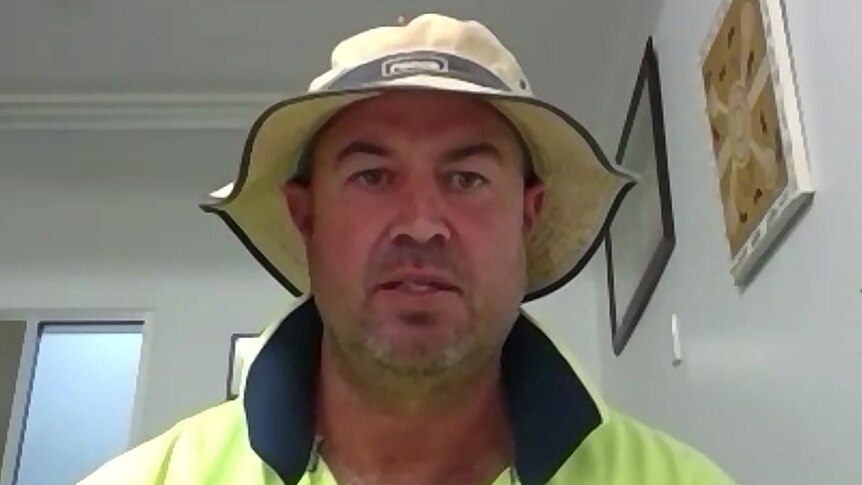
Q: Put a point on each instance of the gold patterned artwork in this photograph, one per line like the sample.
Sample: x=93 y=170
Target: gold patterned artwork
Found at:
x=756 y=135
x=743 y=117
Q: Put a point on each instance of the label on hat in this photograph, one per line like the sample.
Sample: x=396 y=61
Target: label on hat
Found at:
x=415 y=64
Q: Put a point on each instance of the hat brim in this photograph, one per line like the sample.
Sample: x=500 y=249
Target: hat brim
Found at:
x=583 y=189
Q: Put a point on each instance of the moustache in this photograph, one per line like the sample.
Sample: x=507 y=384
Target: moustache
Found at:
x=410 y=254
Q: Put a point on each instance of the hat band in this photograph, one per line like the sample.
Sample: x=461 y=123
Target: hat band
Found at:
x=416 y=63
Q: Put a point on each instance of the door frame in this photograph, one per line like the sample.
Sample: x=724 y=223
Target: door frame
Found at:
x=34 y=318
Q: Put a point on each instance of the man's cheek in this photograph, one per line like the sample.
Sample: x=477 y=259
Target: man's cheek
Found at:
x=348 y=244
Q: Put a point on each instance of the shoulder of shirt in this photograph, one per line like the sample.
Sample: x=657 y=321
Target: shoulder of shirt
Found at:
x=621 y=451
x=624 y=451
x=196 y=445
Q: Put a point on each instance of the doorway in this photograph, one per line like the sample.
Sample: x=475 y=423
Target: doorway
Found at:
x=78 y=401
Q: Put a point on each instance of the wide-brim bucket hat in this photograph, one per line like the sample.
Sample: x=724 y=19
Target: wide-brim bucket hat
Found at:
x=432 y=52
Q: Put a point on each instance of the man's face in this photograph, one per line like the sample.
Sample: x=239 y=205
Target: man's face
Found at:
x=414 y=220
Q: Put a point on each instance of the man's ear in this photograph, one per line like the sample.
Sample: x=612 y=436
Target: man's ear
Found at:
x=534 y=196
x=298 y=199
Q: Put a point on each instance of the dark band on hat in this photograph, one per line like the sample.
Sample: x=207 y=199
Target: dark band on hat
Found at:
x=418 y=63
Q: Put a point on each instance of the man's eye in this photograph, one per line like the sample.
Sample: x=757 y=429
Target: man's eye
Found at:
x=373 y=177
x=466 y=180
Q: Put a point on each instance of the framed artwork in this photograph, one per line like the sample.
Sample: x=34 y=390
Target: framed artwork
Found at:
x=243 y=348
x=641 y=237
x=760 y=158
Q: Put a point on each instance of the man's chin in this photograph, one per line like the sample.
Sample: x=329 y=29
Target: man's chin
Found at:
x=417 y=358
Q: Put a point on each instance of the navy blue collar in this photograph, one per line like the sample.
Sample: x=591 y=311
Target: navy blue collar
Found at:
x=550 y=409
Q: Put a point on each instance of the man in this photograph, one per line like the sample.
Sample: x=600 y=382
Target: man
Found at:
x=413 y=200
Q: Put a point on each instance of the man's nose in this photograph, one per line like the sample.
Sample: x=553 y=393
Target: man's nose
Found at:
x=420 y=215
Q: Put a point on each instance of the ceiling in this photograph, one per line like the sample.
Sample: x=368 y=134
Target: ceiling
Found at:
x=122 y=61
x=95 y=46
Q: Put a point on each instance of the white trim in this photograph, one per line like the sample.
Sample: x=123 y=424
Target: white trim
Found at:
x=138 y=111
x=33 y=318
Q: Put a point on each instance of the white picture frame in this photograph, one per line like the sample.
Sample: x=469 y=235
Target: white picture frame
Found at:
x=753 y=225
x=243 y=348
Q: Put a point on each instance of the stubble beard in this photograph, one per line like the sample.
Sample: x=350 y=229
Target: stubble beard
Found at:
x=436 y=364
x=397 y=379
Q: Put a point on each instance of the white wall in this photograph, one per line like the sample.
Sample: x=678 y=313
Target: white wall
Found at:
x=568 y=315
x=11 y=342
x=769 y=385
x=109 y=220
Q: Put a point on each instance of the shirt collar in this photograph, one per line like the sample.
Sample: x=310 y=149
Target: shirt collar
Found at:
x=550 y=408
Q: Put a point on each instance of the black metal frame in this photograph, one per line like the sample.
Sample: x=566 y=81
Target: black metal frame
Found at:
x=648 y=82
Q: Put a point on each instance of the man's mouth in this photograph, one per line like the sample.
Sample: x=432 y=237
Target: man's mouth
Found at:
x=419 y=285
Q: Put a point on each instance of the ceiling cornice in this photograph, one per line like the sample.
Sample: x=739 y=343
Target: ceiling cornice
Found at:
x=139 y=111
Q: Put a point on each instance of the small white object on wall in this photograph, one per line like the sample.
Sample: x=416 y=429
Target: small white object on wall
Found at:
x=677 y=344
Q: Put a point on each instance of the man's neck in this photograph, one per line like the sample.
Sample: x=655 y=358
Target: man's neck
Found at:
x=464 y=439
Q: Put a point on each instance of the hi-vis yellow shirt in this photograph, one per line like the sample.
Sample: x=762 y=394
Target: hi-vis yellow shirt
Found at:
x=563 y=433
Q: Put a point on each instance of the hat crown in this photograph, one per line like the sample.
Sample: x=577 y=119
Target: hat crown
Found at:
x=428 y=33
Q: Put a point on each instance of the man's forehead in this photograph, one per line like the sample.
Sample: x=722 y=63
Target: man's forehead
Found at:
x=416 y=112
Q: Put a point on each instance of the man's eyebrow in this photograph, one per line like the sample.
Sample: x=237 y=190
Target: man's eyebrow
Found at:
x=363 y=147
x=455 y=155
x=473 y=149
